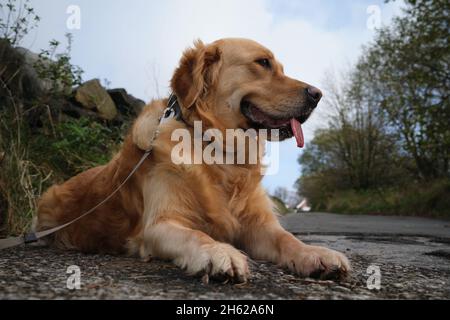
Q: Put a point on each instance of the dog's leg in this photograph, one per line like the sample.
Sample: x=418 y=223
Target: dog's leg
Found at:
x=194 y=251
x=267 y=240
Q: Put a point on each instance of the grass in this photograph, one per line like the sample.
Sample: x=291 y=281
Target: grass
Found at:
x=76 y=145
x=36 y=157
x=40 y=146
x=428 y=200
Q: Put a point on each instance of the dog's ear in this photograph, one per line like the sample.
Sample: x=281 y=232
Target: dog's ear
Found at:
x=197 y=72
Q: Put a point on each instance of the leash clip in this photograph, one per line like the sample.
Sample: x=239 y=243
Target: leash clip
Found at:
x=29 y=238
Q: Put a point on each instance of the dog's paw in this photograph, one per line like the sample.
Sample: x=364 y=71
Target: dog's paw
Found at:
x=319 y=262
x=221 y=261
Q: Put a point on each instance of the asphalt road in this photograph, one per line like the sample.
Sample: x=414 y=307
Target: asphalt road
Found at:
x=408 y=257
x=327 y=223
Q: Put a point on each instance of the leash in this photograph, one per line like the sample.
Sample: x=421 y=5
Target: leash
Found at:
x=173 y=111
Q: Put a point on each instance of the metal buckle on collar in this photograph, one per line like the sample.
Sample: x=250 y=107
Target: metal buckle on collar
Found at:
x=173 y=110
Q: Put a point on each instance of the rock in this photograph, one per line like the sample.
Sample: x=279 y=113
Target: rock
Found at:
x=18 y=67
x=91 y=95
x=125 y=102
x=21 y=77
x=72 y=109
x=30 y=59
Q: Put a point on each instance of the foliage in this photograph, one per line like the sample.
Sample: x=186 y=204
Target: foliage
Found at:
x=34 y=160
x=39 y=145
x=17 y=19
x=388 y=137
x=415 y=199
x=57 y=67
x=76 y=145
x=408 y=67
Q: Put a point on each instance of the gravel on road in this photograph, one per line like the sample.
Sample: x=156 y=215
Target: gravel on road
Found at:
x=410 y=267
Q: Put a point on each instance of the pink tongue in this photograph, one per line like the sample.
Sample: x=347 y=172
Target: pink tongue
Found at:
x=296 y=127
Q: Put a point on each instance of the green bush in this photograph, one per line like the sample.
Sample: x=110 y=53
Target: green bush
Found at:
x=34 y=159
x=40 y=146
x=57 y=67
x=386 y=147
x=430 y=199
x=76 y=145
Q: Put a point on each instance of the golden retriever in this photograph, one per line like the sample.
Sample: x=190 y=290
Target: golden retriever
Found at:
x=206 y=218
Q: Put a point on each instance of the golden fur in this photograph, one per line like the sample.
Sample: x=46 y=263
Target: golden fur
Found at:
x=195 y=215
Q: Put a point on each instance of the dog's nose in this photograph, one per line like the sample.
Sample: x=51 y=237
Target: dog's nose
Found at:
x=314 y=94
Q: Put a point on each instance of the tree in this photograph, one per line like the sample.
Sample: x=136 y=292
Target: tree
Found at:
x=407 y=69
x=390 y=127
x=288 y=197
x=356 y=150
x=17 y=19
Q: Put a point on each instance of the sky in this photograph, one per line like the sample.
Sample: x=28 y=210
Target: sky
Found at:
x=136 y=44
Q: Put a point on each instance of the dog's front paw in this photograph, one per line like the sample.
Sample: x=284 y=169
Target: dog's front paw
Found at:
x=319 y=262
x=221 y=260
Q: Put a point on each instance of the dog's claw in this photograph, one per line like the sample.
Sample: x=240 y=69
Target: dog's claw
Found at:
x=242 y=282
x=205 y=278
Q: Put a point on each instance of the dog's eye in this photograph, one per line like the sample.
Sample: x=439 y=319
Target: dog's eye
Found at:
x=264 y=63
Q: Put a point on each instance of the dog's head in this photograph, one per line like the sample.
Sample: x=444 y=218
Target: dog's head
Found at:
x=237 y=83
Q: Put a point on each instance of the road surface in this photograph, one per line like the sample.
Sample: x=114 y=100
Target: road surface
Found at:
x=407 y=258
